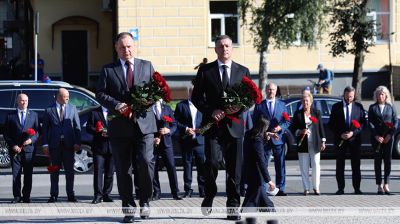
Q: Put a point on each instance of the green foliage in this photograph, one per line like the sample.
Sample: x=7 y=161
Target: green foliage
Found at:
x=271 y=21
x=353 y=31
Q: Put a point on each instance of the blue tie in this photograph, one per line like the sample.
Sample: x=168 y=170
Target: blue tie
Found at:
x=271 y=112
x=22 y=119
x=347 y=116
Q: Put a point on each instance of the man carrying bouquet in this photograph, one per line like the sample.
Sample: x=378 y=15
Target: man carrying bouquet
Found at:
x=227 y=135
x=132 y=136
x=274 y=110
x=346 y=121
x=21 y=132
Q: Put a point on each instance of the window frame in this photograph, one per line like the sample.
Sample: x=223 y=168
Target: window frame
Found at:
x=222 y=16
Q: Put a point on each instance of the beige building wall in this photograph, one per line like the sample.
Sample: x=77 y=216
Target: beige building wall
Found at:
x=173 y=34
x=53 y=10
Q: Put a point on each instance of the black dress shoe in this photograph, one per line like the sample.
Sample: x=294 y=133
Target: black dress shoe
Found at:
x=281 y=193
x=339 y=192
x=176 y=197
x=16 y=200
x=206 y=206
x=128 y=219
x=52 y=199
x=26 y=200
x=188 y=193
x=358 y=191
x=144 y=210
x=388 y=193
x=156 y=197
x=72 y=199
x=107 y=198
x=96 y=200
x=380 y=192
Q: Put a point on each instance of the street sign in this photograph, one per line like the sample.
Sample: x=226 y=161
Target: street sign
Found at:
x=135 y=33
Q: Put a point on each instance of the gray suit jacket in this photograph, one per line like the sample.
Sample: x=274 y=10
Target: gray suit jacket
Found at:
x=113 y=89
x=53 y=128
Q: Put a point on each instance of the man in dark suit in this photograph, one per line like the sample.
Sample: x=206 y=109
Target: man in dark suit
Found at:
x=97 y=125
x=61 y=138
x=166 y=125
x=347 y=137
x=211 y=81
x=22 y=146
x=132 y=139
x=272 y=109
x=188 y=119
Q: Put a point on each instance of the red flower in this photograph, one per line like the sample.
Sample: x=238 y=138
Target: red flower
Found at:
x=30 y=132
x=99 y=126
x=285 y=116
x=53 y=168
x=162 y=84
x=167 y=119
x=255 y=92
x=389 y=125
x=313 y=119
x=355 y=124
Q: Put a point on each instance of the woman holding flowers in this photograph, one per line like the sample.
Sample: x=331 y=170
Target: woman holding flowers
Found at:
x=382 y=118
x=309 y=131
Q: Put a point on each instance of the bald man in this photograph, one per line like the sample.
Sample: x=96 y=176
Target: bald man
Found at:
x=22 y=150
x=61 y=139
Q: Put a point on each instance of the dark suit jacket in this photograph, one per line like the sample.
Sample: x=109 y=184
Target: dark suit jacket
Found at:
x=184 y=120
x=377 y=121
x=338 y=125
x=207 y=93
x=275 y=119
x=53 y=128
x=112 y=89
x=166 y=139
x=298 y=123
x=100 y=144
x=255 y=163
x=13 y=130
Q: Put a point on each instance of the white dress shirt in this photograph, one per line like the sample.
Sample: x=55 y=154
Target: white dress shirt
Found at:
x=228 y=69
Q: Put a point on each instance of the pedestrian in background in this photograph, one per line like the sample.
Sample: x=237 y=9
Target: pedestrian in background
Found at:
x=382 y=117
x=307 y=126
x=103 y=174
x=61 y=138
x=21 y=146
x=325 y=80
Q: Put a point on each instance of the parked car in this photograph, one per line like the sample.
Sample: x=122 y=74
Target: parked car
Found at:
x=324 y=103
x=42 y=95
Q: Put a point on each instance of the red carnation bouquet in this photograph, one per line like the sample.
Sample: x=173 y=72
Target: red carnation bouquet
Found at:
x=243 y=95
x=386 y=128
x=101 y=129
x=144 y=96
x=53 y=168
x=313 y=120
x=354 y=125
x=29 y=133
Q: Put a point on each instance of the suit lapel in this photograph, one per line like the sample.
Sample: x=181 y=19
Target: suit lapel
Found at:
x=119 y=71
x=55 y=113
x=102 y=118
x=187 y=110
x=235 y=77
x=137 y=71
x=215 y=76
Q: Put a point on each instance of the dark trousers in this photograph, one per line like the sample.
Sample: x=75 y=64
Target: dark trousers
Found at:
x=130 y=151
x=103 y=170
x=62 y=157
x=256 y=197
x=385 y=153
x=167 y=156
x=355 y=164
x=23 y=162
x=279 y=161
x=189 y=151
x=231 y=149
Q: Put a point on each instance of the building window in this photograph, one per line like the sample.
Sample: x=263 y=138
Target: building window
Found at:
x=224 y=20
x=380 y=12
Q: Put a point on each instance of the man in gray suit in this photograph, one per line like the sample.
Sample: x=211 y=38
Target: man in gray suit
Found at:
x=61 y=138
x=131 y=138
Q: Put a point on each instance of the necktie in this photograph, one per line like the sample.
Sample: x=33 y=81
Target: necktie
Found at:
x=22 y=119
x=225 y=78
x=347 y=116
x=271 y=110
x=129 y=74
x=61 y=112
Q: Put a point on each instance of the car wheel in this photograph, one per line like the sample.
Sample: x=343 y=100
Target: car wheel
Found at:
x=396 y=147
x=83 y=159
x=5 y=160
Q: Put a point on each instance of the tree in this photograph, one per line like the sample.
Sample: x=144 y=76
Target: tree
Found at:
x=280 y=23
x=353 y=34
